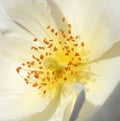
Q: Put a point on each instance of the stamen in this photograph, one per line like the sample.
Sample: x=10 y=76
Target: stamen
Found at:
x=35 y=40
x=69 y=25
x=35 y=84
x=82 y=44
x=35 y=48
x=45 y=41
x=48 y=27
x=63 y=19
x=18 y=69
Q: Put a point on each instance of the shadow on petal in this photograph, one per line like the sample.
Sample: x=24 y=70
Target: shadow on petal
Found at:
x=78 y=103
x=113 y=52
x=110 y=110
x=57 y=15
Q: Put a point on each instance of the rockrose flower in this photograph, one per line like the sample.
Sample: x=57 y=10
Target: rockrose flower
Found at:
x=54 y=57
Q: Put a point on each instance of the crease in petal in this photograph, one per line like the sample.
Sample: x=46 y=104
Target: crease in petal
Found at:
x=13 y=39
x=9 y=28
x=32 y=15
x=57 y=15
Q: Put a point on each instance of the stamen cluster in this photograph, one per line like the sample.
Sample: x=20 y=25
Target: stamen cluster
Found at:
x=56 y=61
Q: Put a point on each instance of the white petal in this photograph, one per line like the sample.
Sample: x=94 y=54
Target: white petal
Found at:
x=11 y=91
x=108 y=29
x=66 y=109
x=25 y=103
x=47 y=113
x=15 y=93
x=15 y=49
x=34 y=16
x=65 y=101
x=93 y=21
x=57 y=108
x=112 y=10
x=9 y=79
x=102 y=92
x=9 y=28
x=105 y=78
x=13 y=38
x=110 y=110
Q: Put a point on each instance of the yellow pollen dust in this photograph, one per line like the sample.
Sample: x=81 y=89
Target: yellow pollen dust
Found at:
x=60 y=60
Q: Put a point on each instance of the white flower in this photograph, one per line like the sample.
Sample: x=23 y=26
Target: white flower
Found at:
x=59 y=47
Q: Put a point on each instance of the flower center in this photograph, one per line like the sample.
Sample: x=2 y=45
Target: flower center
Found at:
x=58 y=60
